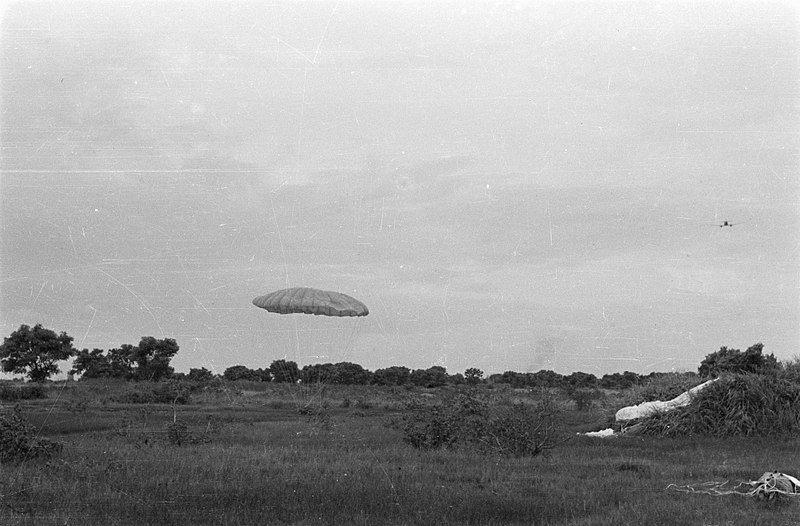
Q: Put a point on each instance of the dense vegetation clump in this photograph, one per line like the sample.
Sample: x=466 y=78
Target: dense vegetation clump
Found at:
x=19 y=440
x=12 y=392
x=753 y=360
x=790 y=370
x=180 y=434
x=468 y=420
x=735 y=405
x=171 y=392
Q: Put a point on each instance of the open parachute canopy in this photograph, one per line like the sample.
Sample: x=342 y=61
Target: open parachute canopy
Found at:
x=305 y=300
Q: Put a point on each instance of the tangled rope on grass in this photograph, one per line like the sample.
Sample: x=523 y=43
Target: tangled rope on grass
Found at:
x=771 y=485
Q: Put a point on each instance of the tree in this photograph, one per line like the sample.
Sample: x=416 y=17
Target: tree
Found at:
x=318 y=373
x=495 y=378
x=121 y=361
x=435 y=376
x=582 y=397
x=263 y=374
x=284 y=371
x=579 y=379
x=92 y=364
x=547 y=378
x=35 y=352
x=612 y=381
x=395 y=375
x=631 y=377
x=147 y=361
x=152 y=358
x=343 y=373
x=620 y=381
x=473 y=376
x=240 y=372
x=348 y=373
x=513 y=378
x=456 y=379
x=200 y=375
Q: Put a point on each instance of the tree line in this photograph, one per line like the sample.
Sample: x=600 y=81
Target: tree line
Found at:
x=36 y=351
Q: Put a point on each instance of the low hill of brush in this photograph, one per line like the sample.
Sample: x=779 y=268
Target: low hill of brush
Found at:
x=735 y=405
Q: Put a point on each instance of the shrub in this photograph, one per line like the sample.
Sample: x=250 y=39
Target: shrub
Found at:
x=360 y=403
x=179 y=434
x=316 y=413
x=584 y=398
x=173 y=393
x=162 y=393
x=459 y=419
x=619 y=381
x=523 y=430
x=18 y=440
x=466 y=420
x=13 y=393
x=133 y=397
x=735 y=361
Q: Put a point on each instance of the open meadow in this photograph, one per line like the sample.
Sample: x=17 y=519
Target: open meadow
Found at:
x=244 y=453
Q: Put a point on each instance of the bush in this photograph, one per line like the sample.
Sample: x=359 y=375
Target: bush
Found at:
x=13 y=393
x=753 y=360
x=18 y=440
x=523 y=430
x=466 y=420
x=162 y=393
x=179 y=434
x=360 y=403
x=584 y=398
x=459 y=419
x=173 y=393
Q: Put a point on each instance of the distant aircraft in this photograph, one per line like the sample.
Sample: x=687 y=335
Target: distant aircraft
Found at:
x=728 y=223
x=715 y=223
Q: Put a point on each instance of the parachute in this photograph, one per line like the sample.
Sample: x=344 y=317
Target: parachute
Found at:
x=323 y=333
x=305 y=300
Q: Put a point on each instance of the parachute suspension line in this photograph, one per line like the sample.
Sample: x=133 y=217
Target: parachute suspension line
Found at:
x=280 y=240
x=304 y=395
x=296 y=339
x=348 y=336
x=771 y=485
x=287 y=345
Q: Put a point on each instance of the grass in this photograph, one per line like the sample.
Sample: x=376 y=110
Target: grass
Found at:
x=265 y=463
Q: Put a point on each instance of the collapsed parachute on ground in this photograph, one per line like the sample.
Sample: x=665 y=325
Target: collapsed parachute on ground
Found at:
x=303 y=300
x=646 y=409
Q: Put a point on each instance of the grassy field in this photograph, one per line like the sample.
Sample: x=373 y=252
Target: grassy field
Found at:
x=245 y=455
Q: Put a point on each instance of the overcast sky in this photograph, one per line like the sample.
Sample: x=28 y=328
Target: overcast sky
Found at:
x=508 y=186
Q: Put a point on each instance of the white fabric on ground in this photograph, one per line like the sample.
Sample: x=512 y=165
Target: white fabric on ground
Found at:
x=648 y=408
